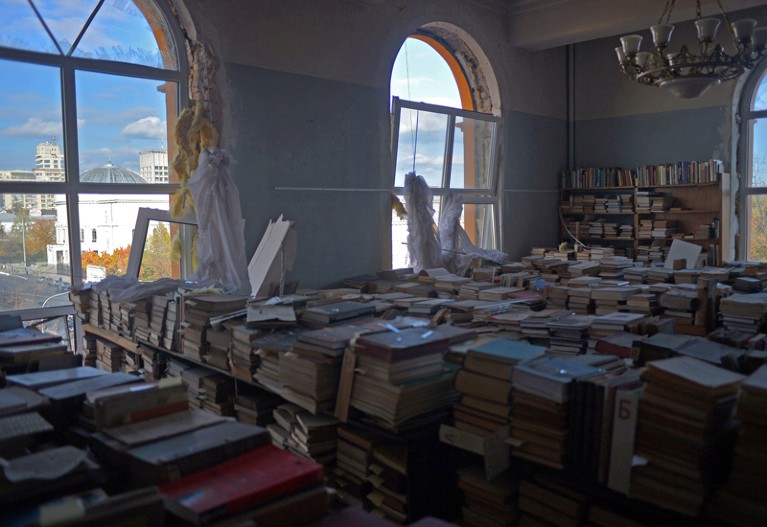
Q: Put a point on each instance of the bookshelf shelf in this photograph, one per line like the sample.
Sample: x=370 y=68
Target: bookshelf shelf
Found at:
x=704 y=203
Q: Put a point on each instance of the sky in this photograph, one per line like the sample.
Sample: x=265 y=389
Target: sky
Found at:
x=421 y=75
x=117 y=117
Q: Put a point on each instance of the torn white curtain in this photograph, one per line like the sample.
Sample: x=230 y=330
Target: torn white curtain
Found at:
x=220 y=226
x=422 y=241
x=458 y=249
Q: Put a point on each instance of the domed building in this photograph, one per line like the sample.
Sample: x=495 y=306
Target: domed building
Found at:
x=106 y=220
x=111 y=173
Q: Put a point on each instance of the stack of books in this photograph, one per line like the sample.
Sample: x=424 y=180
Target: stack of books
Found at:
x=556 y=297
x=154 y=362
x=611 y=323
x=610 y=299
x=269 y=349
x=545 y=502
x=579 y=299
x=25 y=345
x=535 y=327
x=243 y=360
x=354 y=455
x=218 y=343
x=540 y=413
x=108 y=356
x=310 y=380
x=193 y=380
x=485 y=385
x=314 y=437
x=569 y=335
x=158 y=318
x=141 y=311
x=401 y=374
x=644 y=303
x=741 y=500
x=388 y=496
x=80 y=298
x=680 y=303
x=746 y=313
x=487 y=503
x=685 y=418
x=255 y=406
x=636 y=275
x=197 y=312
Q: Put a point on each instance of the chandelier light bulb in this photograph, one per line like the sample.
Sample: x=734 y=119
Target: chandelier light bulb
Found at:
x=707 y=28
x=661 y=34
x=743 y=29
x=631 y=44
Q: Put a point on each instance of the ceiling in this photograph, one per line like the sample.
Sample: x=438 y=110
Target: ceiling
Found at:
x=542 y=24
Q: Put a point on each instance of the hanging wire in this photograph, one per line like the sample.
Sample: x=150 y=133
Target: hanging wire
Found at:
x=569 y=232
x=415 y=137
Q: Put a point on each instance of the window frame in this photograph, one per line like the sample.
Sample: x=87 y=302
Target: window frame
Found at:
x=471 y=196
x=747 y=116
x=71 y=187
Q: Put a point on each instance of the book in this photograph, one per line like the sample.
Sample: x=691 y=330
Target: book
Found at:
x=550 y=378
x=403 y=344
x=477 y=385
x=241 y=483
x=329 y=313
x=178 y=456
x=44 y=379
x=506 y=351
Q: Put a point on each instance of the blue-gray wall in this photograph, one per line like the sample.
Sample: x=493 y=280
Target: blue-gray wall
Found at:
x=304 y=88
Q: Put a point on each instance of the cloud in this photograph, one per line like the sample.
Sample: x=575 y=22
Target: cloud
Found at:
x=33 y=127
x=147 y=127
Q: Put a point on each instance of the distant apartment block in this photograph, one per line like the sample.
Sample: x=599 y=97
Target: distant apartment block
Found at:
x=153 y=166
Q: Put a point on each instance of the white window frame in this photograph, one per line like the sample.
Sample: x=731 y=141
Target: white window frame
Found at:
x=746 y=155
x=71 y=188
x=484 y=196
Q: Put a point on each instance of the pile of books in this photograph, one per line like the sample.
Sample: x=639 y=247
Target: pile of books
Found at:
x=485 y=385
x=545 y=502
x=354 y=455
x=685 y=418
x=741 y=500
x=744 y=312
x=487 y=503
x=109 y=356
x=540 y=413
x=401 y=374
x=197 y=313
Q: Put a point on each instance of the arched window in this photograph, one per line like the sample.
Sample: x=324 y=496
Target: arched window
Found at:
x=442 y=134
x=753 y=168
x=86 y=88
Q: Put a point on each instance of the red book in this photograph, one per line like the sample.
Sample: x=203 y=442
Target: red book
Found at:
x=240 y=484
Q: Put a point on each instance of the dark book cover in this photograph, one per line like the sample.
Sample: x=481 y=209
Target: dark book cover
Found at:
x=328 y=313
x=186 y=453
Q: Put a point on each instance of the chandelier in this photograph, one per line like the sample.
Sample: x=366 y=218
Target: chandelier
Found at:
x=685 y=73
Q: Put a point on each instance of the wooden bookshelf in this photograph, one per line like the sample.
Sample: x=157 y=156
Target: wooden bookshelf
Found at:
x=696 y=204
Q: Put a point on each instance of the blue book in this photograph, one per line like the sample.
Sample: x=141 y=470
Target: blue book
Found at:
x=507 y=351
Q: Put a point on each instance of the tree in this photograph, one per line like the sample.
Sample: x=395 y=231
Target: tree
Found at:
x=115 y=263
x=156 y=261
x=41 y=234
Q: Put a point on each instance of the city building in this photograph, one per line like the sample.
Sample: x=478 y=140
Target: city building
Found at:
x=153 y=166
x=106 y=220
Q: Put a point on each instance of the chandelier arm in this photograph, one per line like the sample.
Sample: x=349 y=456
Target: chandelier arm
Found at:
x=727 y=21
x=666 y=11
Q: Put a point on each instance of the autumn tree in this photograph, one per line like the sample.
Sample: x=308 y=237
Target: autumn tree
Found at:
x=40 y=235
x=115 y=263
x=156 y=261
x=757 y=242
